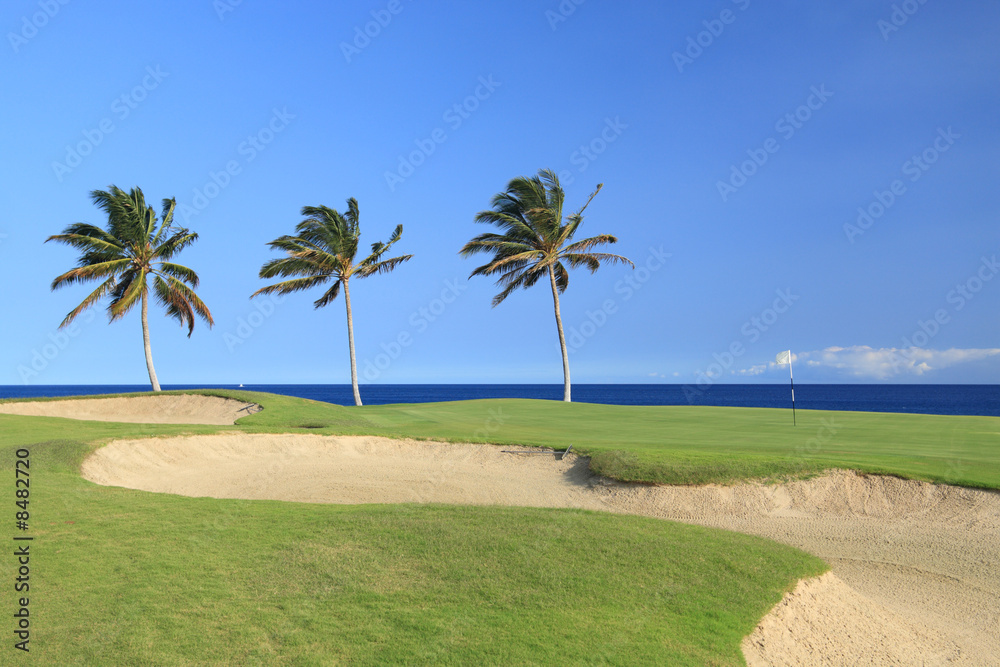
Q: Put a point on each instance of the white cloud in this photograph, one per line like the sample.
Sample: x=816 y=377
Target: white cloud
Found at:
x=864 y=362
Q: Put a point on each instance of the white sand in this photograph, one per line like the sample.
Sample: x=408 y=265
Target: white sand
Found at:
x=825 y=622
x=155 y=409
x=915 y=566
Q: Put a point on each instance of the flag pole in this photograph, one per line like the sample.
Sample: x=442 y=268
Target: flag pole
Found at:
x=791 y=379
x=781 y=360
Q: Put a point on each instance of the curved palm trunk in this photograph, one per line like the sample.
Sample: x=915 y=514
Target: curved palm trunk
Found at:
x=562 y=338
x=145 y=341
x=350 y=339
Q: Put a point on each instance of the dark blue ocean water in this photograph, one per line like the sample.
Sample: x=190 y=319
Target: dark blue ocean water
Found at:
x=926 y=399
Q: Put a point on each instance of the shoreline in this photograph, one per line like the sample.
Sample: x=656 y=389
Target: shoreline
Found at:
x=970 y=400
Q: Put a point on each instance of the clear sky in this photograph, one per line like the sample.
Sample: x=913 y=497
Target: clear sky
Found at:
x=820 y=177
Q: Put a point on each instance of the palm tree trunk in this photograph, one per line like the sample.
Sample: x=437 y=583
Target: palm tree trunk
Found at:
x=145 y=341
x=350 y=340
x=562 y=337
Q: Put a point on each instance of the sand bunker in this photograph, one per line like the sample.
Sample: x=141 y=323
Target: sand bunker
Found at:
x=172 y=409
x=915 y=566
x=825 y=622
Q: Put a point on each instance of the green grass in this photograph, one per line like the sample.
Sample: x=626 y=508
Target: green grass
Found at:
x=679 y=444
x=127 y=577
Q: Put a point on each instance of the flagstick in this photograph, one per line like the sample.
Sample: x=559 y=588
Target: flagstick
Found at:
x=791 y=378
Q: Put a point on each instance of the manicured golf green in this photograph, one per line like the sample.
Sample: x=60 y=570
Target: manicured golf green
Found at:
x=688 y=445
x=128 y=577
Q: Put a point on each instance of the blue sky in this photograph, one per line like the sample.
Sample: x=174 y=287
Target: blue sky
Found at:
x=820 y=177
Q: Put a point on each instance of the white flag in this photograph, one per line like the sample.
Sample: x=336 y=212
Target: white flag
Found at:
x=783 y=358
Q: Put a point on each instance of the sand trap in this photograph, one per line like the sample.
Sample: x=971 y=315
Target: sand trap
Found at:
x=172 y=409
x=825 y=622
x=915 y=566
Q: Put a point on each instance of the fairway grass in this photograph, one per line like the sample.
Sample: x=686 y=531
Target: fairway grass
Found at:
x=130 y=577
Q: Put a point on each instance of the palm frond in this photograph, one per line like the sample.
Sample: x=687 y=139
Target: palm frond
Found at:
x=127 y=293
x=531 y=273
x=182 y=302
x=177 y=306
x=502 y=262
x=385 y=266
x=294 y=265
x=180 y=272
x=90 y=272
x=379 y=248
x=589 y=199
x=95 y=296
x=576 y=261
x=166 y=219
x=515 y=284
x=89 y=238
x=587 y=244
x=352 y=217
x=126 y=214
x=513 y=223
x=289 y=243
x=179 y=240
x=503 y=245
x=289 y=286
x=592 y=260
x=562 y=277
x=328 y=296
x=554 y=195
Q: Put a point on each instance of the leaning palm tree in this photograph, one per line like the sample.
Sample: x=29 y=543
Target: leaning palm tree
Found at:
x=323 y=249
x=133 y=248
x=534 y=243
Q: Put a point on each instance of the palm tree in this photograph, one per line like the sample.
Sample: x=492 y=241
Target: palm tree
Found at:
x=133 y=248
x=322 y=250
x=534 y=243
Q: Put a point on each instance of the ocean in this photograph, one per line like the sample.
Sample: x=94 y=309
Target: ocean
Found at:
x=909 y=398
